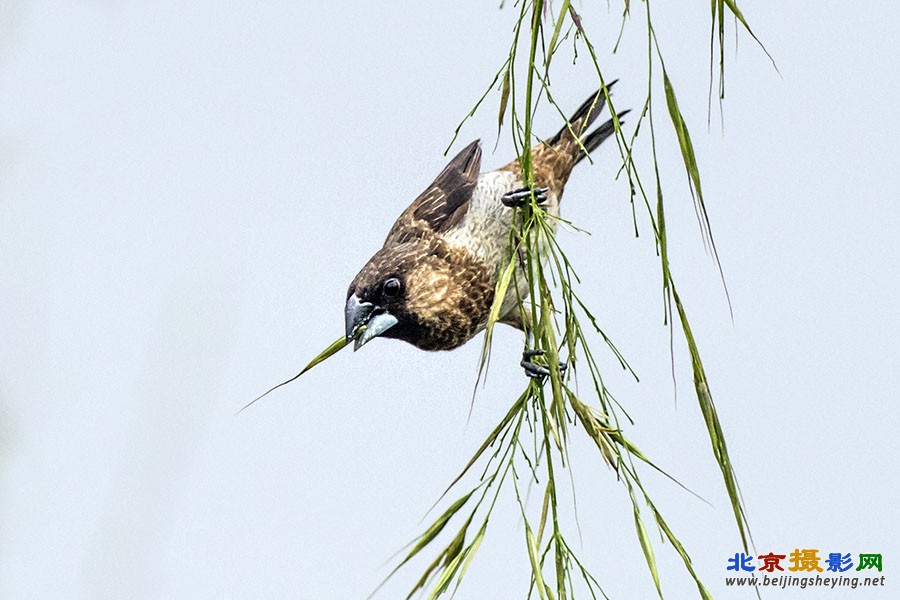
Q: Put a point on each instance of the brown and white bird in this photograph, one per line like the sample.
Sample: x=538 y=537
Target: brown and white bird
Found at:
x=432 y=283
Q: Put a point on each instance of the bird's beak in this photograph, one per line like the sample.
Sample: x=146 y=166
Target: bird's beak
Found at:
x=365 y=321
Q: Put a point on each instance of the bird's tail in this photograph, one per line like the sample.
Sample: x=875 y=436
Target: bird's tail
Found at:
x=569 y=140
x=592 y=140
x=554 y=159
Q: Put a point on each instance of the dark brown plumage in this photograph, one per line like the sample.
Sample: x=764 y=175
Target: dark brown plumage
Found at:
x=432 y=282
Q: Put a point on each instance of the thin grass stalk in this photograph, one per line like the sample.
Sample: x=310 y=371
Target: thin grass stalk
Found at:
x=545 y=263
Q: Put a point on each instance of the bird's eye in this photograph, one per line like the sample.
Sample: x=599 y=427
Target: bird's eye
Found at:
x=391 y=287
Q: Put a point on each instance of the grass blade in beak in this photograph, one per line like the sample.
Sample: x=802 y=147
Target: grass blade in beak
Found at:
x=327 y=353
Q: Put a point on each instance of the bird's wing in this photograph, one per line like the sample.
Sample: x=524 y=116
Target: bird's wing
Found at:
x=445 y=202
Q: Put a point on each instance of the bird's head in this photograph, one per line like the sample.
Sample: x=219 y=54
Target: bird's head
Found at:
x=420 y=292
x=377 y=299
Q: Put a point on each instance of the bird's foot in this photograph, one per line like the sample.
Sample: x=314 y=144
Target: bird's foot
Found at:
x=534 y=370
x=518 y=198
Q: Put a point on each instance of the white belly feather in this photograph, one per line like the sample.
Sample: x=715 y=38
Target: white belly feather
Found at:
x=484 y=231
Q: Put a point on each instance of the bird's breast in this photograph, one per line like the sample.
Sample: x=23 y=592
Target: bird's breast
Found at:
x=484 y=231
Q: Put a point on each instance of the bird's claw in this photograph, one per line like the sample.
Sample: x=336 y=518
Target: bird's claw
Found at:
x=534 y=370
x=518 y=198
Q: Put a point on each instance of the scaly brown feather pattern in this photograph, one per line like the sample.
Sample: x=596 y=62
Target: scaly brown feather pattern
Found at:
x=447 y=248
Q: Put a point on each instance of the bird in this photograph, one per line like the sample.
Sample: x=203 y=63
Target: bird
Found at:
x=432 y=283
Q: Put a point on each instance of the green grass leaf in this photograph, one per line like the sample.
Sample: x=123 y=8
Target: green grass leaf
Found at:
x=534 y=557
x=335 y=347
x=713 y=427
x=647 y=547
x=684 y=139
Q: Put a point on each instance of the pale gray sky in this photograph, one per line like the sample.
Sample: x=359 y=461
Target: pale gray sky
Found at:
x=186 y=191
